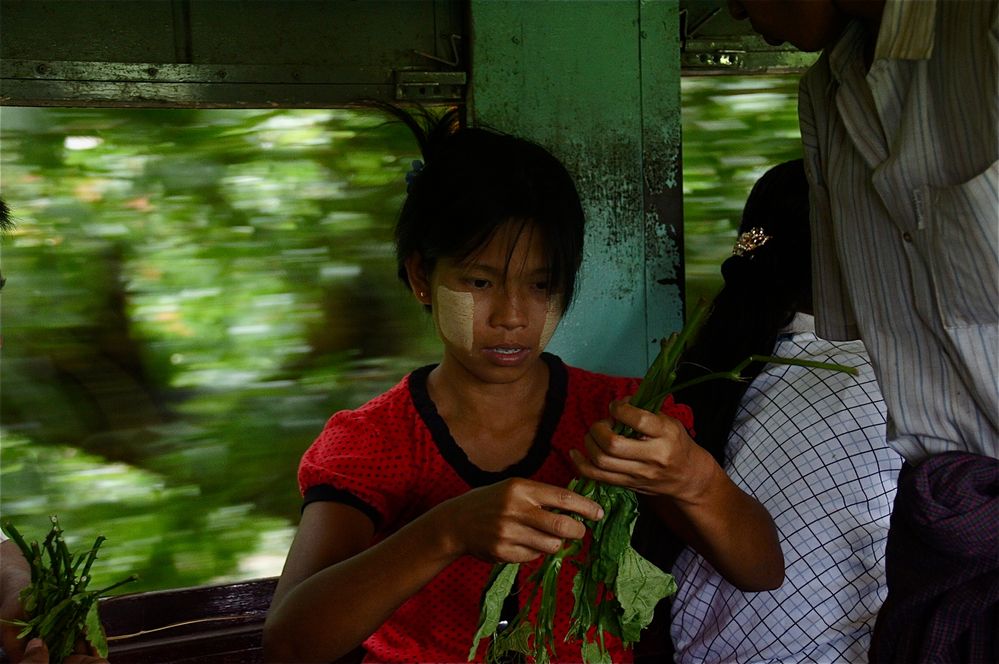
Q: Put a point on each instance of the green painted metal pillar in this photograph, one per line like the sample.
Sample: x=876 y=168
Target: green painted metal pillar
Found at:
x=598 y=83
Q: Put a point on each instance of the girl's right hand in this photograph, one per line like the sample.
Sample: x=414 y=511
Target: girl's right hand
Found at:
x=513 y=520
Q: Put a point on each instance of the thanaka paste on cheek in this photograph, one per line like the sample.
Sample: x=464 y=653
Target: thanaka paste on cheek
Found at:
x=552 y=318
x=454 y=313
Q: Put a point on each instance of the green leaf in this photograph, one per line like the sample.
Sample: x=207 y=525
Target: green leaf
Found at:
x=594 y=654
x=514 y=639
x=95 y=630
x=545 y=618
x=639 y=587
x=499 y=586
x=584 y=607
x=615 y=534
x=609 y=616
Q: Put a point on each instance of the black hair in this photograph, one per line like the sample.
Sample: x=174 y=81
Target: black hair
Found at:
x=474 y=180
x=763 y=290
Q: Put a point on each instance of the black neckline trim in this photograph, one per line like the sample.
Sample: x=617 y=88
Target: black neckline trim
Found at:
x=558 y=378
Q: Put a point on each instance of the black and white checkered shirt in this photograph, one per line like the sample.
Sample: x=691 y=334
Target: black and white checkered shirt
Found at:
x=810 y=445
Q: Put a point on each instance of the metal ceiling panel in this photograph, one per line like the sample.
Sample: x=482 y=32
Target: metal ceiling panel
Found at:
x=237 y=53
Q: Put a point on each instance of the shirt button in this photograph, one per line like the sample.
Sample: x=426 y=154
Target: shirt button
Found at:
x=907 y=236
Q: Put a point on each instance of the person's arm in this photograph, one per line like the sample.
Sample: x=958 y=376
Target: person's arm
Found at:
x=690 y=492
x=15 y=575
x=335 y=591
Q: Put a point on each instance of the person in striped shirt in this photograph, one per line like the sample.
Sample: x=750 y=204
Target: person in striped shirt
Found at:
x=900 y=126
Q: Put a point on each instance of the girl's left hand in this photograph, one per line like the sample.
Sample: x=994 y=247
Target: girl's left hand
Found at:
x=665 y=461
x=700 y=503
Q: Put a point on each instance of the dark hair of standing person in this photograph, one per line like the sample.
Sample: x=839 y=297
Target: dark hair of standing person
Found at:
x=473 y=180
x=764 y=288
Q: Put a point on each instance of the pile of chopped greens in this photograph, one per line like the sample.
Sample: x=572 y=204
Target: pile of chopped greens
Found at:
x=60 y=609
x=615 y=589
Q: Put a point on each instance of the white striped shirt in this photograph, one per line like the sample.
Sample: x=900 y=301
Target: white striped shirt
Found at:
x=905 y=215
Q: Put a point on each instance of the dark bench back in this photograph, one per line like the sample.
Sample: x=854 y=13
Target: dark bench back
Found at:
x=208 y=624
x=220 y=624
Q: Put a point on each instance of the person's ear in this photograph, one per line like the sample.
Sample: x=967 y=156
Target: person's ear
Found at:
x=419 y=279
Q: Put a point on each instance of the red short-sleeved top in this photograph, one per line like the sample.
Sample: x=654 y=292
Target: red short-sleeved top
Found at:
x=394 y=458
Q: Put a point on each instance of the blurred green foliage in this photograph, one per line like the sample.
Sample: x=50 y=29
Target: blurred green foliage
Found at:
x=735 y=128
x=191 y=293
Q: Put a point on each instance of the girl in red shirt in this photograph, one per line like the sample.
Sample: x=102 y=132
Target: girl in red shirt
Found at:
x=411 y=498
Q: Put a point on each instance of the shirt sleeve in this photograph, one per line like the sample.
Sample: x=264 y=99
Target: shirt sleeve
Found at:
x=354 y=463
x=834 y=316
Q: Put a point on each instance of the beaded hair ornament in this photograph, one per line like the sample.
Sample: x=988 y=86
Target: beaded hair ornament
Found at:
x=750 y=241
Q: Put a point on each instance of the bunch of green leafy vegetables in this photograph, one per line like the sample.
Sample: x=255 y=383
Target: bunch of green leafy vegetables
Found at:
x=615 y=589
x=60 y=609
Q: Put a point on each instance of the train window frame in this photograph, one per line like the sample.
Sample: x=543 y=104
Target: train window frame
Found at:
x=200 y=54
